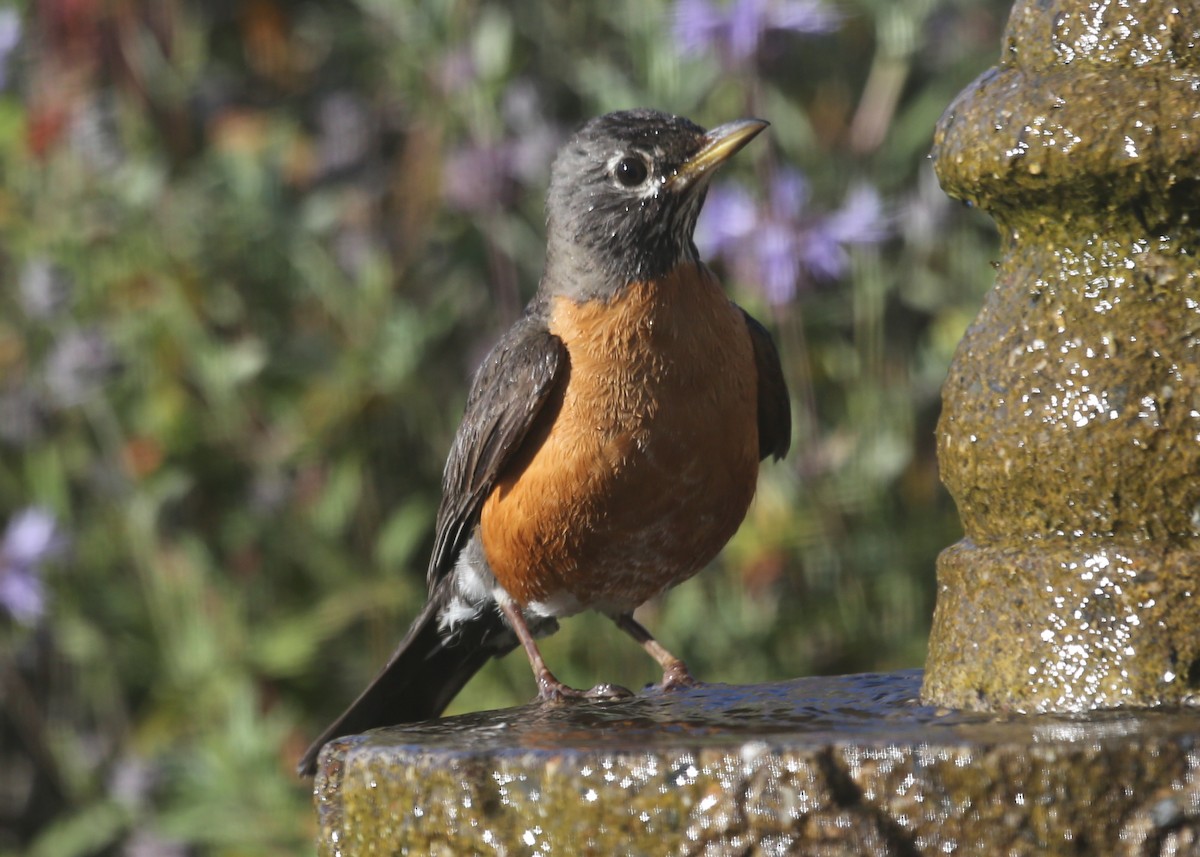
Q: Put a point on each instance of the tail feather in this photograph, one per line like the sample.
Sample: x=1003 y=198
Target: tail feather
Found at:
x=424 y=673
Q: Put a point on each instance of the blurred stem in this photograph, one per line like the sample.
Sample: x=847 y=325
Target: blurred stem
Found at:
x=502 y=274
x=789 y=321
x=898 y=27
x=110 y=437
x=29 y=722
x=878 y=103
x=869 y=293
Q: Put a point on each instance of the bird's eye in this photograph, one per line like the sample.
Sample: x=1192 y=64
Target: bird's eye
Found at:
x=630 y=172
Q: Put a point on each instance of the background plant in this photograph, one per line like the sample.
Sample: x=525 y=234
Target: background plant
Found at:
x=251 y=252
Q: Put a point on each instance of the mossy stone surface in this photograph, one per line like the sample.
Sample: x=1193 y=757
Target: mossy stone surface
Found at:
x=824 y=766
x=1070 y=432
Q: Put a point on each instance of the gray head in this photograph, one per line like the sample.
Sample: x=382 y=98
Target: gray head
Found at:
x=625 y=193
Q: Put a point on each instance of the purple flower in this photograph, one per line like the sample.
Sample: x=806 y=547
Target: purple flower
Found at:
x=345 y=132
x=482 y=176
x=44 y=288
x=31 y=539
x=81 y=362
x=735 y=31
x=455 y=72
x=147 y=843
x=10 y=38
x=94 y=133
x=860 y=220
x=22 y=416
x=133 y=781
x=779 y=245
x=479 y=178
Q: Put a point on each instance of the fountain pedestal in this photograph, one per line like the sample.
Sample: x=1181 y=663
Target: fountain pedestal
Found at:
x=1070 y=429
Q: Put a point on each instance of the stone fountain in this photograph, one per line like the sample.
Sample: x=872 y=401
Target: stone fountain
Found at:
x=1053 y=716
x=1070 y=432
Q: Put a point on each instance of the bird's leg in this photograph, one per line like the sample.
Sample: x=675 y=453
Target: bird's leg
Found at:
x=549 y=687
x=675 y=671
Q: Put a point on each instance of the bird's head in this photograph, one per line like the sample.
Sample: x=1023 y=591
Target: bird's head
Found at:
x=625 y=193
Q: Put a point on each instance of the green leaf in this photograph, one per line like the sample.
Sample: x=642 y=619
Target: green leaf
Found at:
x=84 y=832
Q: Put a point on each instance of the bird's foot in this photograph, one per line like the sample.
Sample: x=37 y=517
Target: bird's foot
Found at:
x=677 y=675
x=551 y=689
x=606 y=690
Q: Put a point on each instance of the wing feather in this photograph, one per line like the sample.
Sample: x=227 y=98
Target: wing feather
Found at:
x=774 y=403
x=507 y=395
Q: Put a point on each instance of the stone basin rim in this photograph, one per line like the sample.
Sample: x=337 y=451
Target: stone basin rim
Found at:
x=646 y=723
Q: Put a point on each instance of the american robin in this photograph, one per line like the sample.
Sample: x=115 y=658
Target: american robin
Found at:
x=611 y=440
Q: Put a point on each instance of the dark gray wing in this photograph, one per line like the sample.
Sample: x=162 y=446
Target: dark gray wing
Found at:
x=774 y=404
x=506 y=396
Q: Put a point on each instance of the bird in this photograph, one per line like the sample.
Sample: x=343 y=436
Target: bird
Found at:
x=611 y=439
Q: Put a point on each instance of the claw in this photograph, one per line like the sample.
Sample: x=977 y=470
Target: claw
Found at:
x=609 y=691
x=551 y=689
x=676 y=676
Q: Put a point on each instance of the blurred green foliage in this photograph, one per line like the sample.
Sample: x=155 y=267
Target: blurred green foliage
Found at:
x=241 y=304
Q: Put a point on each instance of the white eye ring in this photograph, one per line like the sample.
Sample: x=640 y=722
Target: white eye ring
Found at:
x=630 y=171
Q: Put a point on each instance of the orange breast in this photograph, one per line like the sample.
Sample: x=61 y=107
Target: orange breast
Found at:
x=647 y=458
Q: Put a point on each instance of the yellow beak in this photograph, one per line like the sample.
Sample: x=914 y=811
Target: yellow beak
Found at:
x=720 y=144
